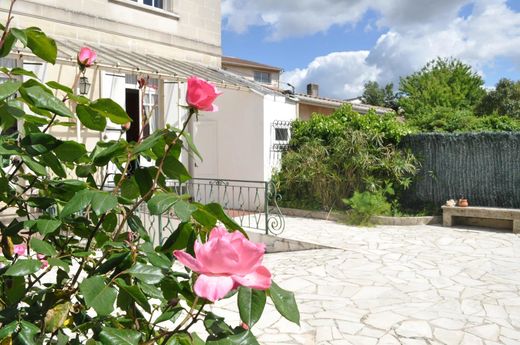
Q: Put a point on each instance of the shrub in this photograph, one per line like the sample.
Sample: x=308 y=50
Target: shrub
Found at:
x=331 y=157
x=365 y=205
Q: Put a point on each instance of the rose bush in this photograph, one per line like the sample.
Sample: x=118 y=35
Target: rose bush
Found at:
x=77 y=264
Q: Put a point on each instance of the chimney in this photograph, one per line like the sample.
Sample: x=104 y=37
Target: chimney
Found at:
x=313 y=90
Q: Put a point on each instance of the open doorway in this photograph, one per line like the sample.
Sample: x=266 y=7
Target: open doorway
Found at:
x=132 y=108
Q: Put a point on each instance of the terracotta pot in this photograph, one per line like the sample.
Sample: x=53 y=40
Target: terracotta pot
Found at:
x=463 y=203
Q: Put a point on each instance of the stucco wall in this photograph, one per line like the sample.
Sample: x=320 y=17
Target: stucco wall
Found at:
x=249 y=73
x=194 y=35
x=231 y=140
x=307 y=110
x=276 y=108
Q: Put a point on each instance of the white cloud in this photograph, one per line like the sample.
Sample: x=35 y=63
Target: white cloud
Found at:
x=414 y=36
x=339 y=75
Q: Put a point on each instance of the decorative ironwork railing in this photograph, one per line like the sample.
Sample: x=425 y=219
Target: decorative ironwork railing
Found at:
x=252 y=204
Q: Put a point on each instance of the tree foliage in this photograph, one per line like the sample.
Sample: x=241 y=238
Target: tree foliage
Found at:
x=330 y=157
x=504 y=100
x=447 y=83
x=373 y=94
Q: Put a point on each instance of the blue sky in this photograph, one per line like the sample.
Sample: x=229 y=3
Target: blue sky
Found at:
x=341 y=44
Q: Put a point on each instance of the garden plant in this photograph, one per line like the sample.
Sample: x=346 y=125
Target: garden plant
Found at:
x=77 y=265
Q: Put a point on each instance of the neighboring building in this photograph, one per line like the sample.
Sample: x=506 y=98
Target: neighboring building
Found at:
x=166 y=41
x=265 y=74
x=311 y=103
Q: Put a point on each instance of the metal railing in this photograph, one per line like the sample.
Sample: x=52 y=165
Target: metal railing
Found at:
x=252 y=204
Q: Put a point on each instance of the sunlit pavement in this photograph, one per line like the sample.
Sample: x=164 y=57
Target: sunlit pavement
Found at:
x=395 y=285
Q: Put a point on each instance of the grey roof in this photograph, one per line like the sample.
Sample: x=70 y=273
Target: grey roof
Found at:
x=119 y=60
x=336 y=103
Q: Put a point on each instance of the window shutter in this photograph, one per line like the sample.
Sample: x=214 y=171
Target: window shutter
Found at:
x=113 y=86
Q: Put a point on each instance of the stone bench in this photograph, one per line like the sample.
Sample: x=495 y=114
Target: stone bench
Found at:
x=509 y=214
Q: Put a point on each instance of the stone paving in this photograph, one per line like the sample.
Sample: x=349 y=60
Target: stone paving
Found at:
x=395 y=285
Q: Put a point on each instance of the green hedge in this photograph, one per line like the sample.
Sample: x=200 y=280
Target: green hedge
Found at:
x=484 y=167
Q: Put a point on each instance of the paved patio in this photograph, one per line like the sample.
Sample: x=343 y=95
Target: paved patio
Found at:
x=395 y=285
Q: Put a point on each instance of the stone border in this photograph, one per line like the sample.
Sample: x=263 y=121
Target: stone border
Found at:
x=406 y=221
x=294 y=212
x=275 y=244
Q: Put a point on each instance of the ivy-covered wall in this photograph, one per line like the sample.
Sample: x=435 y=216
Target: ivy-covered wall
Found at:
x=484 y=167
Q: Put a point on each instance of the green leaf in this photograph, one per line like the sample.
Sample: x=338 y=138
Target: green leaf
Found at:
x=151 y=291
x=9 y=42
x=134 y=292
x=179 y=339
x=144 y=180
x=34 y=165
x=175 y=170
x=47 y=226
x=14 y=289
x=21 y=71
x=26 y=333
x=41 y=45
x=251 y=305
x=183 y=210
x=216 y=326
x=20 y=35
x=42 y=247
x=110 y=222
x=130 y=188
x=58 y=86
x=146 y=273
x=8 y=329
x=104 y=156
x=110 y=109
x=179 y=239
x=103 y=202
x=39 y=143
x=9 y=87
x=217 y=211
x=54 y=163
x=70 y=151
x=40 y=98
x=162 y=202
x=59 y=263
x=159 y=260
x=90 y=118
x=150 y=141
x=78 y=202
x=55 y=317
x=23 y=268
x=244 y=338
x=98 y=295
x=114 y=336
x=285 y=303
x=169 y=315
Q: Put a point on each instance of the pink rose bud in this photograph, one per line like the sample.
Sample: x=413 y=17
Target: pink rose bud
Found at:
x=20 y=249
x=244 y=325
x=86 y=57
x=201 y=94
x=225 y=262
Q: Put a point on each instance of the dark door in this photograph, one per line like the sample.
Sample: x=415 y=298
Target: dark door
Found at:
x=132 y=108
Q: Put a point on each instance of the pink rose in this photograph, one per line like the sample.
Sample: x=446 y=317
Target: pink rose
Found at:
x=201 y=94
x=225 y=262
x=86 y=57
x=20 y=249
x=44 y=262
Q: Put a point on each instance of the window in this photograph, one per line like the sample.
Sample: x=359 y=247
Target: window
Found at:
x=281 y=134
x=154 y=3
x=263 y=77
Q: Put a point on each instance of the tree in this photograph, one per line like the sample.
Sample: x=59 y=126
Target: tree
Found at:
x=380 y=96
x=447 y=83
x=504 y=100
